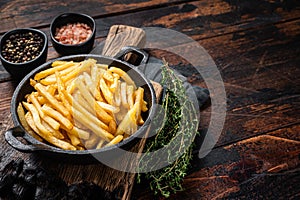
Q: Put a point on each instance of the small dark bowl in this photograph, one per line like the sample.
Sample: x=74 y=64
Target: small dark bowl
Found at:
x=19 y=70
x=72 y=49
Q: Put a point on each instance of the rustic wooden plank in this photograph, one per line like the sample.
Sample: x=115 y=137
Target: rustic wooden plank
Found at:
x=198 y=19
x=261 y=78
x=259 y=167
x=28 y=13
x=264 y=94
x=291 y=132
x=203 y=19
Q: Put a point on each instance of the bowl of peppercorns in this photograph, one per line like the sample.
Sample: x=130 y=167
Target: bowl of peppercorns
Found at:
x=73 y=33
x=22 y=50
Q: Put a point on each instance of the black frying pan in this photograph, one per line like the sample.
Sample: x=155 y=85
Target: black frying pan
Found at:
x=31 y=145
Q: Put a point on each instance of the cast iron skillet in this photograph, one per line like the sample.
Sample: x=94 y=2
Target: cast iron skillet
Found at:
x=13 y=135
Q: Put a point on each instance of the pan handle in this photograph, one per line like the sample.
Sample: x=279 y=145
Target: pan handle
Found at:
x=11 y=136
x=133 y=55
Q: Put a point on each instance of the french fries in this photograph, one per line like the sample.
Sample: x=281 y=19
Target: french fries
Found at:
x=21 y=114
x=123 y=75
x=82 y=105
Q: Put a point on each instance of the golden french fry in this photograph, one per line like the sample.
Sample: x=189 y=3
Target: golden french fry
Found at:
x=117 y=94
x=84 y=113
x=102 y=66
x=116 y=140
x=22 y=118
x=96 y=75
x=92 y=126
x=51 y=89
x=105 y=91
x=74 y=140
x=123 y=75
x=116 y=76
x=30 y=122
x=144 y=106
x=139 y=99
x=52 y=79
x=54 y=132
x=51 y=122
x=67 y=83
x=100 y=144
x=80 y=133
x=112 y=126
x=61 y=92
x=77 y=132
x=130 y=94
x=86 y=65
x=42 y=90
x=108 y=76
x=80 y=148
x=102 y=115
x=81 y=67
x=124 y=95
x=60 y=143
x=32 y=82
x=35 y=115
x=114 y=84
x=109 y=108
x=58 y=116
x=73 y=74
x=50 y=71
x=68 y=70
x=92 y=87
x=32 y=98
x=71 y=87
x=79 y=98
x=125 y=125
x=58 y=63
x=43 y=132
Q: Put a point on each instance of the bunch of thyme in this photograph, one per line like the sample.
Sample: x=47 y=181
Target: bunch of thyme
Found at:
x=179 y=128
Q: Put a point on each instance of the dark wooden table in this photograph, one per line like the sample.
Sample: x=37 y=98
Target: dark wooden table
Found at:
x=256 y=47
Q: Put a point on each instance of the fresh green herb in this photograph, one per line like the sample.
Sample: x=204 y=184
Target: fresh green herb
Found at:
x=179 y=128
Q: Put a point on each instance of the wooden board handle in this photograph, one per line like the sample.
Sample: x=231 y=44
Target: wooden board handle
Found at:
x=120 y=36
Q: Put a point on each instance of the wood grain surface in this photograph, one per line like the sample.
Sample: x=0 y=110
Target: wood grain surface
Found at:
x=255 y=45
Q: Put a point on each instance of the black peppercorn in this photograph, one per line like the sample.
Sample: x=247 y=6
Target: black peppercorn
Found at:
x=20 y=48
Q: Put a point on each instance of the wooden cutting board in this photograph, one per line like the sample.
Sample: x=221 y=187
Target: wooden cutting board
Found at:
x=102 y=175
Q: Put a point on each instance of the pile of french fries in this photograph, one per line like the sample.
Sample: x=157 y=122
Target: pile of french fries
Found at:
x=82 y=105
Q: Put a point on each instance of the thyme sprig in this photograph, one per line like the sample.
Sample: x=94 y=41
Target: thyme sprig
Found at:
x=178 y=131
